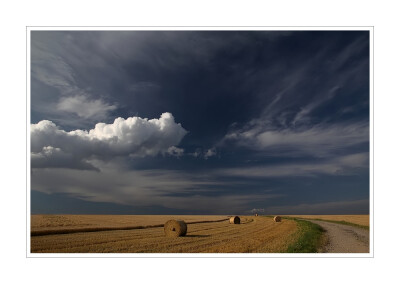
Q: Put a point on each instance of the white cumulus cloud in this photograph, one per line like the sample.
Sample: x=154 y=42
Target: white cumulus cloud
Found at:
x=134 y=136
x=209 y=153
x=175 y=151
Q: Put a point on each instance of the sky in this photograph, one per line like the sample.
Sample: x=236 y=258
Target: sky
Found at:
x=199 y=122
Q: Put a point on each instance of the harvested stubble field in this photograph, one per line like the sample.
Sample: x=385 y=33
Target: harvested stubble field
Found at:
x=362 y=220
x=206 y=234
x=45 y=224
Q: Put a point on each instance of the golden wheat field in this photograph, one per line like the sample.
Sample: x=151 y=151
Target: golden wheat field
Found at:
x=145 y=234
x=42 y=223
x=356 y=219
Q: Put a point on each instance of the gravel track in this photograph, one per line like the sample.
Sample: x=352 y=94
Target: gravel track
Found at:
x=344 y=238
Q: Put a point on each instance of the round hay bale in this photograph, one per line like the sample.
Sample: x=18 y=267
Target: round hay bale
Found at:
x=175 y=228
x=277 y=218
x=234 y=220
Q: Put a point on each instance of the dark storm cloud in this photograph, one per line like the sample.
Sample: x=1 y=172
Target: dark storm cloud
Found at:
x=266 y=116
x=150 y=188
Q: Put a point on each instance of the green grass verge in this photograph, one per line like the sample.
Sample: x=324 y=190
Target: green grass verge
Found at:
x=310 y=238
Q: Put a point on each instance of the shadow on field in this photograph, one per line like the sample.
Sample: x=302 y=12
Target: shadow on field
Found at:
x=197 y=236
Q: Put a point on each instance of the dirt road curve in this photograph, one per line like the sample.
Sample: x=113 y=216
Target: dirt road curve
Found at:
x=344 y=238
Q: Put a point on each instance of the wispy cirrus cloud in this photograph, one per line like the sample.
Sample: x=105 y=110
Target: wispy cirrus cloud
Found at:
x=319 y=140
x=343 y=165
x=307 y=111
x=84 y=107
x=51 y=67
